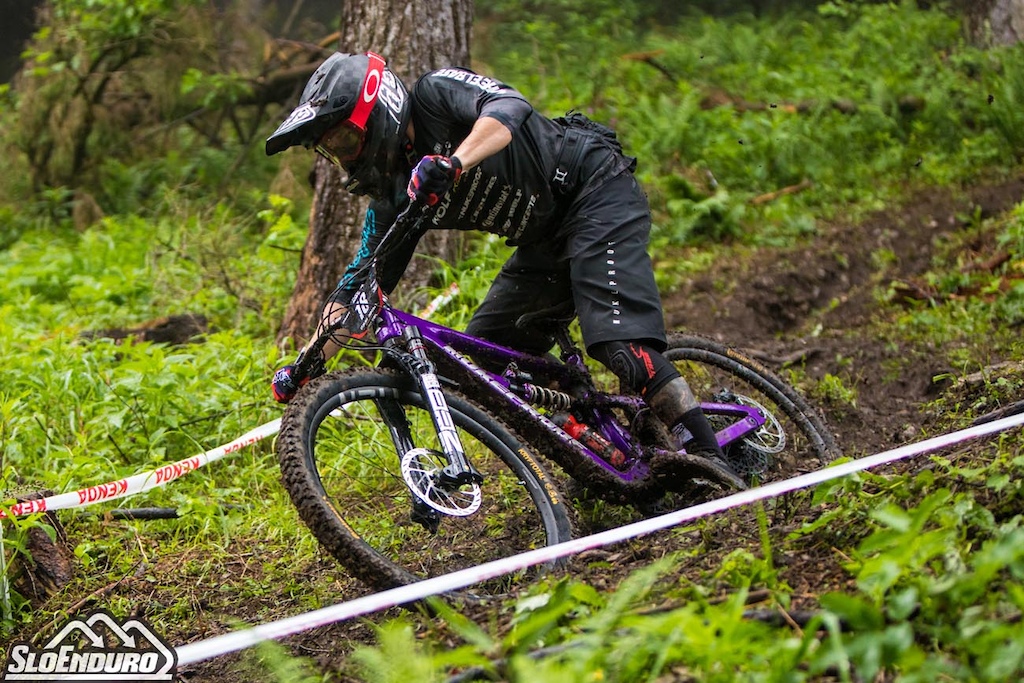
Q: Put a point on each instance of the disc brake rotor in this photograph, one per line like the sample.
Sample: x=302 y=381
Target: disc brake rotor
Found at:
x=770 y=438
x=421 y=469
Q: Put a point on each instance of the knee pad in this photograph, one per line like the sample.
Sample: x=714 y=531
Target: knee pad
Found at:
x=639 y=366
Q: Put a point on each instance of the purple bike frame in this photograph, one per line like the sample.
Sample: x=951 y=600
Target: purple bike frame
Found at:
x=459 y=347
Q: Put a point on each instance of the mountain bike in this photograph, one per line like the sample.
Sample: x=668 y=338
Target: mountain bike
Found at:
x=428 y=462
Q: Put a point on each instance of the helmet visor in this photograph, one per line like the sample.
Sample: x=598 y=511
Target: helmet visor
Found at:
x=341 y=144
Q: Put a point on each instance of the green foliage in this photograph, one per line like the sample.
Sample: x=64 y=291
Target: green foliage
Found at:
x=187 y=223
x=78 y=54
x=920 y=584
x=740 y=107
x=117 y=99
x=939 y=584
x=833 y=390
x=974 y=287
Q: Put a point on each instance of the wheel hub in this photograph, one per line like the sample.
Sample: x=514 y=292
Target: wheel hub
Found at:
x=422 y=470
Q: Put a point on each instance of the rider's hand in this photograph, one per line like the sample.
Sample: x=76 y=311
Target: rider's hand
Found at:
x=284 y=386
x=432 y=177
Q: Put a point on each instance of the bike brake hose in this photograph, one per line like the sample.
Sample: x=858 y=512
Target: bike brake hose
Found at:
x=413 y=215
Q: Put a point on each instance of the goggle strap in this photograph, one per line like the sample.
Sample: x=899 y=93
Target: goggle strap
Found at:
x=369 y=90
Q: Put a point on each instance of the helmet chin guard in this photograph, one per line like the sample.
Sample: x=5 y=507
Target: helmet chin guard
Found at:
x=354 y=111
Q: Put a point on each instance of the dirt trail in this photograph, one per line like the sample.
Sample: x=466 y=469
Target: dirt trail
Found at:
x=827 y=285
x=817 y=300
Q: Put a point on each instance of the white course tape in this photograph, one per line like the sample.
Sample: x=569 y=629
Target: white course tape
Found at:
x=162 y=475
x=231 y=642
x=141 y=482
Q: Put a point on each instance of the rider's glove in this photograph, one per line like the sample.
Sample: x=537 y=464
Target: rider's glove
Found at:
x=284 y=386
x=432 y=177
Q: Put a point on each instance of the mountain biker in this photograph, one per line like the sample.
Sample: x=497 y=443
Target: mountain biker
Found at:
x=560 y=190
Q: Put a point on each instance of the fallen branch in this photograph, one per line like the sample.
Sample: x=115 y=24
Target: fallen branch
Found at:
x=988 y=374
x=772 y=196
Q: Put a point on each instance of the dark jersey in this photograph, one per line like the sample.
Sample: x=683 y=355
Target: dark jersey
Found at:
x=511 y=194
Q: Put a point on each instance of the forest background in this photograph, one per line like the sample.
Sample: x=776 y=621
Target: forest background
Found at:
x=149 y=249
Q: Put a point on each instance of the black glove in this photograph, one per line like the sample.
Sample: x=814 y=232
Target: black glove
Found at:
x=432 y=177
x=284 y=386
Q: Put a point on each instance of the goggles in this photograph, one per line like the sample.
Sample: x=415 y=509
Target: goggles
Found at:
x=342 y=144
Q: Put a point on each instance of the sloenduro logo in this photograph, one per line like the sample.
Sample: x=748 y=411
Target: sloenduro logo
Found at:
x=79 y=652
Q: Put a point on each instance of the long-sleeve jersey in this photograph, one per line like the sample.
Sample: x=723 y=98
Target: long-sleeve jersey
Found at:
x=510 y=193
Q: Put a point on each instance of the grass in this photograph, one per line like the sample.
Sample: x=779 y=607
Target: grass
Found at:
x=917 y=572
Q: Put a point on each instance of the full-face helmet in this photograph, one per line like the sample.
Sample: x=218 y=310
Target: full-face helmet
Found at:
x=355 y=112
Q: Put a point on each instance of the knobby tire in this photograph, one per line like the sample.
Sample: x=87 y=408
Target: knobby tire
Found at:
x=709 y=367
x=343 y=474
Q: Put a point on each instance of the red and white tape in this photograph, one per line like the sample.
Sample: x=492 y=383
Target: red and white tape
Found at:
x=232 y=642
x=148 y=480
x=439 y=301
x=143 y=481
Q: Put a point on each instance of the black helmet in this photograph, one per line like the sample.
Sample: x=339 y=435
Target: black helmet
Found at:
x=365 y=108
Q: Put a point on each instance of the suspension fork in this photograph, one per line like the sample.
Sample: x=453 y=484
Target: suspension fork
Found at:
x=459 y=471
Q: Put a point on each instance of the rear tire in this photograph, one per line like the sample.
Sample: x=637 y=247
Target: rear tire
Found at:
x=710 y=367
x=341 y=468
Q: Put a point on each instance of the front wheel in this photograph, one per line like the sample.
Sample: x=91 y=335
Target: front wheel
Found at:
x=794 y=439
x=341 y=467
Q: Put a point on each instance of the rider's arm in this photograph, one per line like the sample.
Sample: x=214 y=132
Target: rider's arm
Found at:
x=490 y=110
x=488 y=136
x=379 y=217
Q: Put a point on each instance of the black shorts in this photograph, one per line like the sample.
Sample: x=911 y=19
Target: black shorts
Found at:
x=597 y=258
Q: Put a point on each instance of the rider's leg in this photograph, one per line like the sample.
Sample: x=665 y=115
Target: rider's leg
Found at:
x=649 y=373
x=619 y=308
x=532 y=279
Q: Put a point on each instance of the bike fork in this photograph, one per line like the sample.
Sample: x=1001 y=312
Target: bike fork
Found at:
x=401 y=436
x=459 y=471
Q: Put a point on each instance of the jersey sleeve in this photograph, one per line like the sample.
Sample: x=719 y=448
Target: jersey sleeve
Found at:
x=379 y=217
x=464 y=96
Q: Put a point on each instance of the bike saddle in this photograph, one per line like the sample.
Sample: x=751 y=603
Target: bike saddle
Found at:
x=549 y=319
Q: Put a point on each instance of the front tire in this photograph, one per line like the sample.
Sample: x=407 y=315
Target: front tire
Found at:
x=340 y=466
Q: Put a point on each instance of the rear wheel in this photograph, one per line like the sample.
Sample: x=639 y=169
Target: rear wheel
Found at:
x=344 y=474
x=794 y=438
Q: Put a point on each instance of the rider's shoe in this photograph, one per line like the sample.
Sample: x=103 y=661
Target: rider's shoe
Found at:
x=697 y=462
x=723 y=470
x=676 y=406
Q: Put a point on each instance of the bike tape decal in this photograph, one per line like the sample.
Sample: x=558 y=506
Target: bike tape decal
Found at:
x=143 y=481
x=238 y=640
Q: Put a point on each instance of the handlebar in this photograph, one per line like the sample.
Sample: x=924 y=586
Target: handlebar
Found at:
x=310 y=361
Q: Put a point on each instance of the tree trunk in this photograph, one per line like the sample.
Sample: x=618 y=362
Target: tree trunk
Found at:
x=414 y=36
x=993 y=22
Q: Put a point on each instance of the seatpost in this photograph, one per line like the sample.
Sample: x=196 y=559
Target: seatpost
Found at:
x=565 y=343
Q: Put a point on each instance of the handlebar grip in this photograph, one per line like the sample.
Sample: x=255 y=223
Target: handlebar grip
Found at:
x=308 y=365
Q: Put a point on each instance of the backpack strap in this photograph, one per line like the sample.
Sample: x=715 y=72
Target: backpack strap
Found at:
x=570 y=153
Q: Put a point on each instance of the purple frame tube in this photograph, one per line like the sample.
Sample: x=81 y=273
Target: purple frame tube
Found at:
x=458 y=345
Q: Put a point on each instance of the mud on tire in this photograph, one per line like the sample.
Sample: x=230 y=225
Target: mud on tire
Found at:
x=341 y=469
